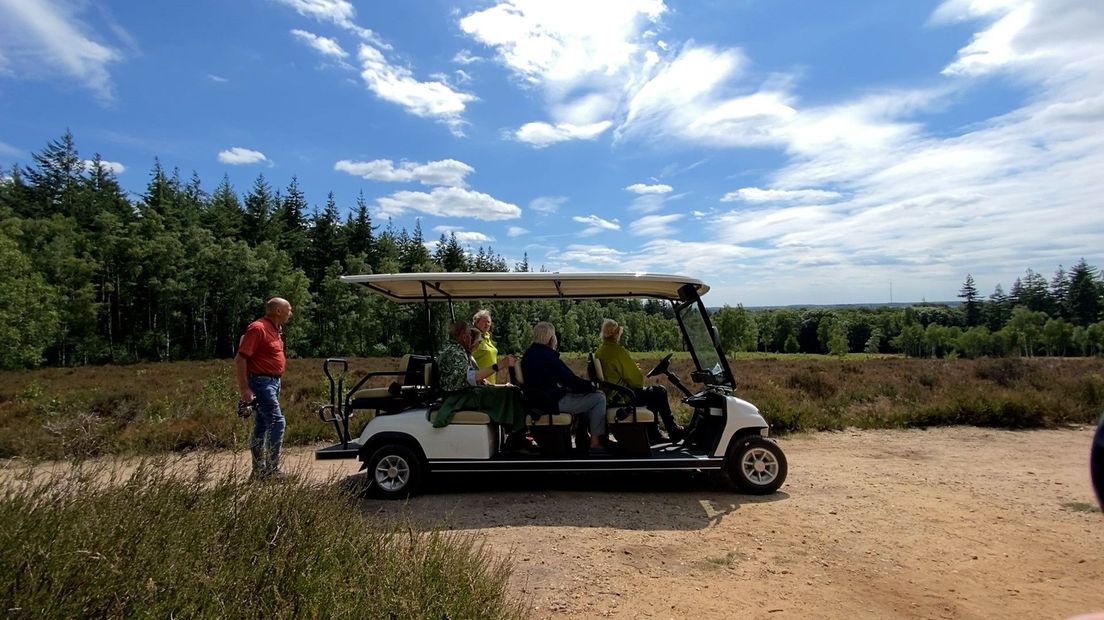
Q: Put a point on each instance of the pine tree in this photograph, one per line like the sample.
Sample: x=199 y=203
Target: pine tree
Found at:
x=523 y=264
x=224 y=215
x=326 y=242
x=449 y=254
x=1084 y=294
x=256 y=223
x=969 y=294
x=292 y=224
x=360 y=235
x=54 y=180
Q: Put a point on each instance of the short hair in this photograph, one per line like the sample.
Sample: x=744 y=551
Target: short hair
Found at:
x=481 y=314
x=611 y=330
x=544 y=332
x=275 y=304
x=457 y=329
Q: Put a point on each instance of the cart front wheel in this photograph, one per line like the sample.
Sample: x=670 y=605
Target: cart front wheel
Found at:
x=756 y=465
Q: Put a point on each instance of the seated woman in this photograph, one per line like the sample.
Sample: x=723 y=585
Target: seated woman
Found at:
x=619 y=368
x=467 y=388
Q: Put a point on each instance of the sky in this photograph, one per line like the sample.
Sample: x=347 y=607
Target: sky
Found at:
x=784 y=152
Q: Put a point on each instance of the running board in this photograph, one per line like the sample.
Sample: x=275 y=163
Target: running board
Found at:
x=338 y=451
x=565 y=465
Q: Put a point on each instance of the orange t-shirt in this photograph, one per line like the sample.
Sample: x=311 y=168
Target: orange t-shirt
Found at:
x=263 y=347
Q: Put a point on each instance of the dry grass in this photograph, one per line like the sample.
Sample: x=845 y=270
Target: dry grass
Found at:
x=151 y=408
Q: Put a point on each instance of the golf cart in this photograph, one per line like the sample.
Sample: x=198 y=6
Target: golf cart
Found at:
x=400 y=447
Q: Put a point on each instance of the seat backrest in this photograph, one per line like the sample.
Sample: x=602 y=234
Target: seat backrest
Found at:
x=515 y=374
x=419 y=370
x=595 y=369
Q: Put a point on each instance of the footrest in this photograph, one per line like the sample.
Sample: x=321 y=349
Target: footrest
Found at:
x=338 y=451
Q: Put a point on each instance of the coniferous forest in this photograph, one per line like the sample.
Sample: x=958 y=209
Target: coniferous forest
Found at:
x=91 y=276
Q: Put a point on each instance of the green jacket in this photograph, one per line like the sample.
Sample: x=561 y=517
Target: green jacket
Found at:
x=618 y=368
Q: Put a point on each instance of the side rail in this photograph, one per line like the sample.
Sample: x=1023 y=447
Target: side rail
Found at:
x=335 y=411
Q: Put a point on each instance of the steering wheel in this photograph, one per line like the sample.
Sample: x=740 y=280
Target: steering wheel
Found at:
x=661 y=367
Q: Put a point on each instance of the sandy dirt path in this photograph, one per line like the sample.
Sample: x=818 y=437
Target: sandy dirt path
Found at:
x=943 y=523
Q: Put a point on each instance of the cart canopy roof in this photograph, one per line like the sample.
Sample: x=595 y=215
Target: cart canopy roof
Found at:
x=417 y=287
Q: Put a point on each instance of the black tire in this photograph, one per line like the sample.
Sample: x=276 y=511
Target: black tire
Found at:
x=394 y=472
x=756 y=465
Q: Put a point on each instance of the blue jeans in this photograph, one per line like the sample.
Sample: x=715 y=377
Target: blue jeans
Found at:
x=268 y=425
x=593 y=405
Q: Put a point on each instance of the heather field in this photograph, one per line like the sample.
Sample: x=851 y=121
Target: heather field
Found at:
x=173 y=407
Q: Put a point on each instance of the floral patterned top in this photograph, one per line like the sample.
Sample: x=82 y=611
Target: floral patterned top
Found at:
x=454 y=365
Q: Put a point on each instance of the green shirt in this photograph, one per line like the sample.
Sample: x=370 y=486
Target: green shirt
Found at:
x=618 y=366
x=486 y=354
x=454 y=365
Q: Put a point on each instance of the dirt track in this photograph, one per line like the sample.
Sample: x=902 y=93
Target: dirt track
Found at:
x=944 y=523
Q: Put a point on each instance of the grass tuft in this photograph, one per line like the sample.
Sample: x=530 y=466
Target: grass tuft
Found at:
x=96 y=543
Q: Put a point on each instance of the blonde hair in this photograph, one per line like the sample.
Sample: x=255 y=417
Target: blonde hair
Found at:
x=544 y=333
x=611 y=330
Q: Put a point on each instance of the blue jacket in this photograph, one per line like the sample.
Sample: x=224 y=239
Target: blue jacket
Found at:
x=546 y=377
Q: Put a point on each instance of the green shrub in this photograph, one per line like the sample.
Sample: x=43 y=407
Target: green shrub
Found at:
x=153 y=545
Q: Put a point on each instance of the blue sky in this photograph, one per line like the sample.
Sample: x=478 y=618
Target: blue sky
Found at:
x=785 y=152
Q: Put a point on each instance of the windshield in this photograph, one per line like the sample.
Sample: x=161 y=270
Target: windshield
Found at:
x=700 y=341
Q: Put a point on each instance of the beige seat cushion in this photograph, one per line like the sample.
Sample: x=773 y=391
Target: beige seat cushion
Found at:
x=378 y=392
x=560 y=419
x=643 y=415
x=470 y=417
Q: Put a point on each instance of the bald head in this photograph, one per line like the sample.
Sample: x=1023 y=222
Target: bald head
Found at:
x=278 y=310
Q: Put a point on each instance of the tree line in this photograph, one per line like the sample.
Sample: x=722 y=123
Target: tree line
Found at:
x=1059 y=317
x=91 y=276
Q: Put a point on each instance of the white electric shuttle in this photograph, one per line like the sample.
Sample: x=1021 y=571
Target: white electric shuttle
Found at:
x=400 y=448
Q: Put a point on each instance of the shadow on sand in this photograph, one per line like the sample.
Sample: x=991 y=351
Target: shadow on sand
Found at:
x=629 y=501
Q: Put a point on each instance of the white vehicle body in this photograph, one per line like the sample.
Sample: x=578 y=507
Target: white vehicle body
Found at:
x=400 y=446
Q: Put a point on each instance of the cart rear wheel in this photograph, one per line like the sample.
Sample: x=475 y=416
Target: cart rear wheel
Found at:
x=756 y=465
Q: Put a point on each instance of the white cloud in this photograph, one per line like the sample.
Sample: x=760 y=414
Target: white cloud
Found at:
x=655 y=225
x=516 y=231
x=462 y=77
x=396 y=84
x=465 y=57
x=217 y=78
x=472 y=237
x=239 y=155
x=565 y=40
x=755 y=194
x=580 y=53
x=449 y=202
x=595 y=224
x=323 y=45
x=541 y=134
x=444 y=172
x=45 y=39
x=341 y=13
x=589 y=255
x=547 y=204
x=640 y=188
x=114 y=166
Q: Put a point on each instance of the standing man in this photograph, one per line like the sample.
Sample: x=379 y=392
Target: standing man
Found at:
x=259 y=365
